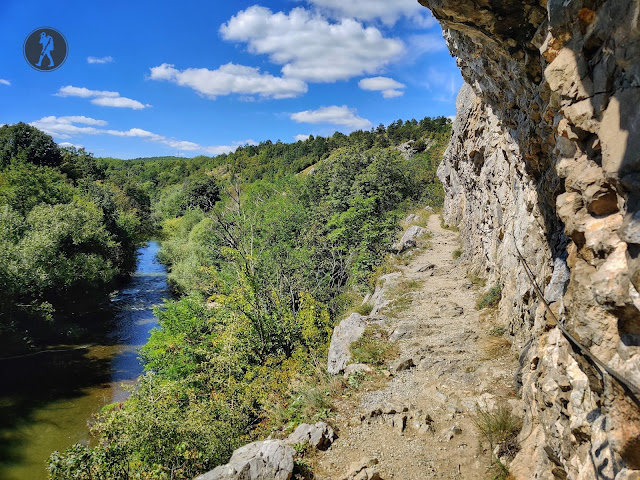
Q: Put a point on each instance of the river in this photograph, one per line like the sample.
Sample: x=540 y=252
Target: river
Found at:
x=46 y=399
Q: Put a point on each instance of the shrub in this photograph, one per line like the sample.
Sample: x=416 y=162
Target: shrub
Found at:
x=457 y=253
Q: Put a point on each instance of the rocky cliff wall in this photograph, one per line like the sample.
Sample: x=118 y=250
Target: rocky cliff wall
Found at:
x=545 y=159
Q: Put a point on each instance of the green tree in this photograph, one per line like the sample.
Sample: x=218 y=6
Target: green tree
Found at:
x=35 y=146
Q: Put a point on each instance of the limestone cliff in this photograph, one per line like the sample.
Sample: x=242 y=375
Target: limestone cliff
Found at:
x=545 y=157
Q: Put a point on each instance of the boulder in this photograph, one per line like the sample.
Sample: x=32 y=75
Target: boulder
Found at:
x=344 y=334
x=403 y=364
x=380 y=299
x=266 y=460
x=319 y=435
x=409 y=238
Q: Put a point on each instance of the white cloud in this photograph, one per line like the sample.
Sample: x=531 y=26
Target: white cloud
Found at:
x=231 y=78
x=67 y=126
x=334 y=115
x=383 y=10
x=4 y=82
x=63 y=127
x=119 y=102
x=104 y=98
x=301 y=137
x=99 y=59
x=388 y=86
x=309 y=47
x=71 y=91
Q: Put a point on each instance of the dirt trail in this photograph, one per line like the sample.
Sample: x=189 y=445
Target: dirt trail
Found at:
x=444 y=335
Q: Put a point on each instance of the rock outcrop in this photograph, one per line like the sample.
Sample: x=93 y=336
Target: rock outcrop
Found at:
x=266 y=460
x=409 y=238
x=318 y=435
x=344 y=334
x=545 y=162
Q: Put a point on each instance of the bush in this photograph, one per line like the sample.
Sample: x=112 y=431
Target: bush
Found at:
x=457 y=253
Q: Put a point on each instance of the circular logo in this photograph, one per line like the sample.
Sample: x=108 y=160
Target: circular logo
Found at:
x=45 y=49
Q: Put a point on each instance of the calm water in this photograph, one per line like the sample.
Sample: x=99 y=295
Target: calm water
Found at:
x=46 y=399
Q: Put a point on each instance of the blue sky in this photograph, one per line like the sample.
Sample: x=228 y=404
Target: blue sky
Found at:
x=149 y=78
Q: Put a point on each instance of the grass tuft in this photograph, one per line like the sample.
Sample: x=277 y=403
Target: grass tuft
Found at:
x=364 y=309
x=491 y=298
x=373 y=347
x=498 y=427
x=495 y=347
x=401 y=295
x=457 y=253
x=476 y=280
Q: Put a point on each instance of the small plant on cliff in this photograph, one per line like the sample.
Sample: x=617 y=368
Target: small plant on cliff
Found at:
x=457 y=253
x=491 y=298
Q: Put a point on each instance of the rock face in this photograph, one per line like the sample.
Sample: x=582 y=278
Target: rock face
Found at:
x=545 y=160
x=266 y=460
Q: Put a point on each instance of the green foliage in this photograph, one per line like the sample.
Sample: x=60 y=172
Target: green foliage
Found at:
x=77 y=164
x=201 y=192
x=355 y=379
x=373 y=347
x=491 y=298
x=22 y=141
x=23 y=186
x=457 y=253
x=66 y=231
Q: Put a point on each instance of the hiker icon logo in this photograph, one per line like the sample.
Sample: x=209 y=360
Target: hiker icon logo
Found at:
x=45 y=49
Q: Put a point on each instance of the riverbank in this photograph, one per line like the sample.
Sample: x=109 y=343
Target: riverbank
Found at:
x=47 y=397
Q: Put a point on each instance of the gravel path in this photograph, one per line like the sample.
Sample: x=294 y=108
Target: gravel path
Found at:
x=431 y=435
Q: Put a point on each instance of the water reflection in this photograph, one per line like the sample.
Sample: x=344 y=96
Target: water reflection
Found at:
x=46 y=399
